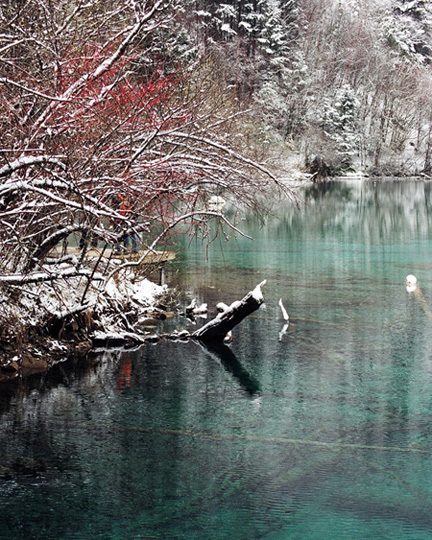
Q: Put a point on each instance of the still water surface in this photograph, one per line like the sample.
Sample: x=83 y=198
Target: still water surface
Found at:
x=323 y=432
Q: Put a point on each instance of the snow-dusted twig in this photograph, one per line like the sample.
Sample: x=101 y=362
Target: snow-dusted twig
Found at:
x=38 y=277
x=27 y=161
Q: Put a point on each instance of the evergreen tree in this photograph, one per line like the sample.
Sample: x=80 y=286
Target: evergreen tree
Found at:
x=408 y=29
x=339 y=121
x=260 y=25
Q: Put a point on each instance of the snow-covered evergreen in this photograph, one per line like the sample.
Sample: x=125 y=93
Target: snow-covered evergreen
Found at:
x=339 y=121
x=296 y=58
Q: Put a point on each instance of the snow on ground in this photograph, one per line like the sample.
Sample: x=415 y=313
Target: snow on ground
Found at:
x=37 y=303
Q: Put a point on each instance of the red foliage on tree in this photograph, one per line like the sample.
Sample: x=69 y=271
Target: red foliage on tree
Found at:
x=81 y=123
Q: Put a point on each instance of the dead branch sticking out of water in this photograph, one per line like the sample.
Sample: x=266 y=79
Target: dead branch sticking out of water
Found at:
x=217 y=329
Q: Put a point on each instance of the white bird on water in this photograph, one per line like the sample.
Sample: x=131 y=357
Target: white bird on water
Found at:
x=411 y=283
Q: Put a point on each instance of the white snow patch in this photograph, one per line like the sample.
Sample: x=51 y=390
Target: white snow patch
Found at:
x=257 y=292
x=227 y=28
x=55 y=345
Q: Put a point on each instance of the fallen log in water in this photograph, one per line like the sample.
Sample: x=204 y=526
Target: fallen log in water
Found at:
x=216 y=329
x=121 y=339
x=214 y=332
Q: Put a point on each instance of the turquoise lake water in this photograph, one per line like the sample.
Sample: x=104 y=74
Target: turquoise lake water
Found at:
x=322 y=431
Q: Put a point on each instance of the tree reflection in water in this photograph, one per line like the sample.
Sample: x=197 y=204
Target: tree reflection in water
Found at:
x=167 y=441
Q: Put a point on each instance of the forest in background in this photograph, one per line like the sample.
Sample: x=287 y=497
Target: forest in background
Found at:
x=345 y=84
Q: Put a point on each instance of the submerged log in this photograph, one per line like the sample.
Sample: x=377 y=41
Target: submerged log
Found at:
x=216 y=329
x=120 y=339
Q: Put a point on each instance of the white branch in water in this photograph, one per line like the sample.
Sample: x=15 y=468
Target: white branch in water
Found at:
x=194 y=309
x=284 y=311
x=283 y=331
x=120 y=338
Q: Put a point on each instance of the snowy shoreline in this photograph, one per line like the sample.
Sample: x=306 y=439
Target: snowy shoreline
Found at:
x=46 y=328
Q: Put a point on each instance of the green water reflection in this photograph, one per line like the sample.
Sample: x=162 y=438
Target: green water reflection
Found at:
x=322 y=432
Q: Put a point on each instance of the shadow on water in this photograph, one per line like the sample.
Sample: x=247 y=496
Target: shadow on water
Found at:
x=229 y=361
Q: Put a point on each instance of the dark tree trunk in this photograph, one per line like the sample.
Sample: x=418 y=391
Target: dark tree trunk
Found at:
x=216 y=330
x=427 y=169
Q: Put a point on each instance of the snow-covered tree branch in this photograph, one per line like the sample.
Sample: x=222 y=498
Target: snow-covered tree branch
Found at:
x=101 y=140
